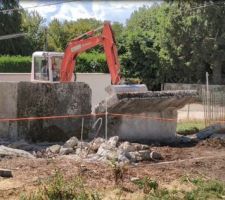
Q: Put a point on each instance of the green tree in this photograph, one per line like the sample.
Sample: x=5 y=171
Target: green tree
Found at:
x=33 y=25
x=10 y=23
x=195 y=42
x=140 y=49
x=57 y=36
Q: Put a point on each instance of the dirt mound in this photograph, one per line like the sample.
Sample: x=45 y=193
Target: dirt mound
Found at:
x=213 y=142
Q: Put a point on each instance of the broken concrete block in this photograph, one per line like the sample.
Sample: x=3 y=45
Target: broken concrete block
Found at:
x=113 y=141
x=122 y=158
x=155 y=156
x=66 y=151
x=96 y=143
x=138 y=156
x=6 y=151
x=127 y=147
x=145 y=117
x=71 y=143
x=54 y=149
x=104 y=149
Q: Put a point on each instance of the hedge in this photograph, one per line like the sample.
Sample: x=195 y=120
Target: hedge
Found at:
x=15 y=64
x=91 y=62
x=86 y=62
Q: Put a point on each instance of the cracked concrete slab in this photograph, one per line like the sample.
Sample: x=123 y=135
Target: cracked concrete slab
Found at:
x=153 y=108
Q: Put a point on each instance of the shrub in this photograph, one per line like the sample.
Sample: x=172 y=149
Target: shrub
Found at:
x=15 y=64
x=91 y=62
x=86 y=62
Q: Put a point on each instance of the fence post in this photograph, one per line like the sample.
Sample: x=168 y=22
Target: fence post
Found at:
x=106 y=119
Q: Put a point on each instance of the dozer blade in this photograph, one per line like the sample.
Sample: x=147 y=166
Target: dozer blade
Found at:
x=120 y=89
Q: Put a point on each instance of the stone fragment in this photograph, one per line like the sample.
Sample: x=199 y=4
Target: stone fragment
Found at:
x=95 y=144
x=83 y=145
x=134 y=179
x=112 y=155
x=127 y=147
x=66 y=151
x=21 y=144
x=105 y=149
x=71 y=143
x=155 y=156
x=82 y=151
x=113 y=141
x=139 y=147
x=138 y=156
x=7 y=151
x=53 y=149
x=122 y=158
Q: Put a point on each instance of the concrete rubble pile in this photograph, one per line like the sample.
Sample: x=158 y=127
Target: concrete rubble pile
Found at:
x=100 y=149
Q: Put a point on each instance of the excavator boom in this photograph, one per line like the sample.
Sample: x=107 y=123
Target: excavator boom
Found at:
x=54 y=66
x=88 y=41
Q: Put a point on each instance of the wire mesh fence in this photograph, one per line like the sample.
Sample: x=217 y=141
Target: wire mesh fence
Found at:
x=214 y=106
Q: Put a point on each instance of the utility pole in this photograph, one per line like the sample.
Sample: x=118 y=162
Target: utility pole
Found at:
x=46 y=39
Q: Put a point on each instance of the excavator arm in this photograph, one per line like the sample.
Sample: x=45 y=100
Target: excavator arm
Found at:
x=88 y=41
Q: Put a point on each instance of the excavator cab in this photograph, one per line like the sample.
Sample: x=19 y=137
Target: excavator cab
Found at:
x=46 y=66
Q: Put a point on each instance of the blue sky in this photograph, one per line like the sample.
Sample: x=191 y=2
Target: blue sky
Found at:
x=102 y=10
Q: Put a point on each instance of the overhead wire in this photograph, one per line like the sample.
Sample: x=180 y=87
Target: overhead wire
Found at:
x=41 y=5
x=69 y=1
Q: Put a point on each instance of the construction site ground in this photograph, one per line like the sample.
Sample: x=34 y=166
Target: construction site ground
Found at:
x=203 y=160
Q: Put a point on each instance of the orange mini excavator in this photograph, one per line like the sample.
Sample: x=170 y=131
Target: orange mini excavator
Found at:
x=60 y=67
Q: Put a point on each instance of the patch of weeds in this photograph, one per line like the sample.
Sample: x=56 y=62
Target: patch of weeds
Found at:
x=57 y=188
x=164 y=194
x=146 y=184
x=203 y=190
x=210 y=189
x=118 y=171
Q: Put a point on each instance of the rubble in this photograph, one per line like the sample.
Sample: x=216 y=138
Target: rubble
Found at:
x=66 y=151
x=100 y=149
x=96 y=143
x=71 y=143
x=97 y=150
x=54 y=149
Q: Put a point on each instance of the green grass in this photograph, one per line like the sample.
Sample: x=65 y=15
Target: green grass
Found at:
x=202 y=190
x=190 y=127
x=58 y=188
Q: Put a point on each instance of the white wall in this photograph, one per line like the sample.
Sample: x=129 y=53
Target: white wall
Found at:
x=97 y=82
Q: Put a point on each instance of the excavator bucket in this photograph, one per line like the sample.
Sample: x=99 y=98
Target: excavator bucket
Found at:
x=120 y=89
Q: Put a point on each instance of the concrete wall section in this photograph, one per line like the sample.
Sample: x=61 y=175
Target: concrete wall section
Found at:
x=8 y=109
x=147 y=130
x=145 y=117
x=97 y=82
x=47 y=99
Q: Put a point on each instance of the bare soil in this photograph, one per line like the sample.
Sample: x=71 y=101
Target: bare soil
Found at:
x=206 y=160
